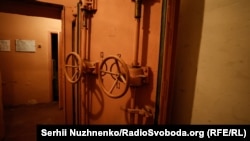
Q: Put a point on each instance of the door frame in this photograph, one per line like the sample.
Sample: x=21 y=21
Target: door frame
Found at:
x=165 y=96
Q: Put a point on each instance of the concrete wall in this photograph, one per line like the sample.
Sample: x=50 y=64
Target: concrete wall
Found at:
x=212 y=74
x=27 y=75
x=189 y=31
x=222 y=92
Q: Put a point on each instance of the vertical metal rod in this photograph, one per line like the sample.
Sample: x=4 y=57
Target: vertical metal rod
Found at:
x=74 y=48
x=88 y=36
x=138 y=4
x=161 y=56
x=85 y=35
x=78 y=47
x=135 y=63
x=132 y=105
x=78 y=26
x=137 y=38
x=84 y=94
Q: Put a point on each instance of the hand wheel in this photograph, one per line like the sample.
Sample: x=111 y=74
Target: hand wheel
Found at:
x=73 y=67
x=113 y=76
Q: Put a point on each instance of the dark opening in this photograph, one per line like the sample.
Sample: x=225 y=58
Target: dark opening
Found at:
x=54 y=52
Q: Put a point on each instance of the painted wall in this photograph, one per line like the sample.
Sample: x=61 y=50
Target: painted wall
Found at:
x=66 y=3
x=222 y=92
x=218 y=92
x=26 y=76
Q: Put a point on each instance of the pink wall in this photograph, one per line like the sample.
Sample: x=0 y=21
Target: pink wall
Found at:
x=26 y=76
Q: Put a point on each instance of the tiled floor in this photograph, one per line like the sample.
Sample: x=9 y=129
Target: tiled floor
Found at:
x=21 y=121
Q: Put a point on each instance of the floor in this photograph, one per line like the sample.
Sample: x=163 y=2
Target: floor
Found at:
x=21 y=121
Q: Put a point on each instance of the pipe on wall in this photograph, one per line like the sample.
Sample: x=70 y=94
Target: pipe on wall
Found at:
x=79 y=4
x=76 y=88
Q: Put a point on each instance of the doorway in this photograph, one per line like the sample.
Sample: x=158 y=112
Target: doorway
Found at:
x=54 y=57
